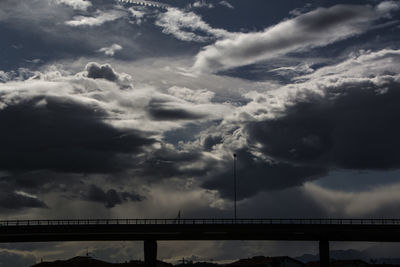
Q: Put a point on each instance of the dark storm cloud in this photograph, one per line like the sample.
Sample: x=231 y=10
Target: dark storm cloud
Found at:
x=166 y=162
x=109 y=198
x=355 y=126
x=255 y=175
x=160 y=109
x=126 y=196
x=12 y=200
x=58 y=134
x=16 y=200
x=211 y=141
x=327 y=18
x=97 y=71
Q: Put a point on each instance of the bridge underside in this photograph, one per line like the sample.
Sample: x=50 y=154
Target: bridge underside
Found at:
x=46 y=233
x=151 y=233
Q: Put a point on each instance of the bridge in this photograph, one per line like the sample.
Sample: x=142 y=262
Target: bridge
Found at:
x=152 y=230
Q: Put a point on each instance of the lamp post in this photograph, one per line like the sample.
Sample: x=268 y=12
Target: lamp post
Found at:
x=234 y=183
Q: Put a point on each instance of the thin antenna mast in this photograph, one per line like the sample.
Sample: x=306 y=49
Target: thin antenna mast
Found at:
x=234 y=183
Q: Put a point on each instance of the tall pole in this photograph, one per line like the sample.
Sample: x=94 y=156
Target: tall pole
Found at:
x=234 y=183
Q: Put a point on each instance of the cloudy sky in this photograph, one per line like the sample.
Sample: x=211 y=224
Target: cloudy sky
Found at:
x=116 y=109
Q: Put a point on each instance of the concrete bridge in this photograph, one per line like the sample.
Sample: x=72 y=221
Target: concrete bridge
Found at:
x=152 y=230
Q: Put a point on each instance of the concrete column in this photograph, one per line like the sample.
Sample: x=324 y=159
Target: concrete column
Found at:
x=324 y=253
x=150 y=253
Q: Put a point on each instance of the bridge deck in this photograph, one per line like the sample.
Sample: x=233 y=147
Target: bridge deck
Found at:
x=318 y=221
x=382 y=230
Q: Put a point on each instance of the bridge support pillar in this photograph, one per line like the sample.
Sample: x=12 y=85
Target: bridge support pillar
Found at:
x=150 y=253
x=324 y=253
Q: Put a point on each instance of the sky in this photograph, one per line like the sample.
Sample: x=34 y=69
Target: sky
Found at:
x=134 y=109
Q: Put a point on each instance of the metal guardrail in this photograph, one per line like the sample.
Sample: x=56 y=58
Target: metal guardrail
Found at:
x=198 y=221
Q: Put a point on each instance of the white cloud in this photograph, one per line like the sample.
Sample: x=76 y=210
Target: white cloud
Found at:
x=110 y=51
x=317 y=28
x=22 y=193
x=138 y=14
x=4 y=76
x=128 y=106
x=75 y=4
x=360 y=65
x=386 y=7
x=298 y=69
x=227 y=4
x=183 y=26
x=202 y=4
x=195 y=96
x=100 y=18
x=374 y=67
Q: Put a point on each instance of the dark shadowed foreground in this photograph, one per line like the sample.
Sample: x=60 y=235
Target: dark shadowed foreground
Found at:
x=85 y=261
x=257 y=261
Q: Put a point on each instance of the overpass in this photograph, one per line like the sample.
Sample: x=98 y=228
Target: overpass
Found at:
x=152 y=230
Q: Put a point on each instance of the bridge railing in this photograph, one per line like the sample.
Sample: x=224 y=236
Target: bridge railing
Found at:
x=274 y=221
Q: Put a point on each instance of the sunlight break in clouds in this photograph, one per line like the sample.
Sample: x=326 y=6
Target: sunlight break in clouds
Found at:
x=100 y=18
x=317 y=28
x=356 y=204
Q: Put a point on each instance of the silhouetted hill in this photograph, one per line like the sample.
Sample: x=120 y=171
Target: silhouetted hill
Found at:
x=259 y=261
x=349 y=254
x=341 y=263
x=198 y=264
x=81 y=261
